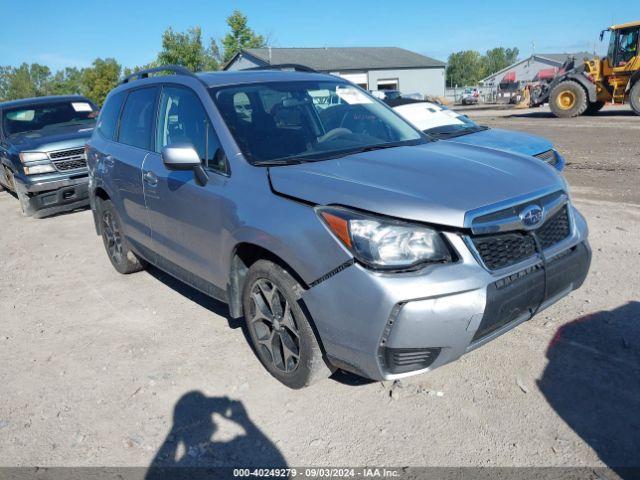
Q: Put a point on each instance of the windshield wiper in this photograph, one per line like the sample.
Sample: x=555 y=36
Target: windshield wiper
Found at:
x=457 y=133
x=272 y=163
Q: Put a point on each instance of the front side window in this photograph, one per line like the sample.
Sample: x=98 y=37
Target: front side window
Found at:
x=46 y=117
x=627 y=46
x=136 y=124
x=183 y=120
x=305 y=121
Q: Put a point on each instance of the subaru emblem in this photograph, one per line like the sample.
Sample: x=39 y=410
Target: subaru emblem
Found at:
x=531 y=216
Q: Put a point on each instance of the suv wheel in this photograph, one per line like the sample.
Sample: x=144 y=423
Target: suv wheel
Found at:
x=122 y=258
x=280 y=332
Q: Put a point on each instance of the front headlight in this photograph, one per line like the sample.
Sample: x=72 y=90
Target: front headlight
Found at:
x=385 y=244
x=36 y=169
x=33 y=156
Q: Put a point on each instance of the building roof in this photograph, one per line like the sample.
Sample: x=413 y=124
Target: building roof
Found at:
x=343 y=58
x=558 y=58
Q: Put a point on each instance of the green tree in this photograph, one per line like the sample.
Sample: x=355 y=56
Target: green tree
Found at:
x=66 y=82
x=240 y=36
x=100 y=78
x=187 y=49
x=498 y=58
x=19 y=84
x=465 y=68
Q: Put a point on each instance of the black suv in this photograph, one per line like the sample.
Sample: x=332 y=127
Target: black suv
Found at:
x=42 y=157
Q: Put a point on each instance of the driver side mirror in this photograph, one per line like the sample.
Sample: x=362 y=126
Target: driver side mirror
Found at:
x=182 y=156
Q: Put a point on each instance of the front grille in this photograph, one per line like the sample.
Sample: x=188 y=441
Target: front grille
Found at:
x=499 y=251
x=66 y=153
x=549 y=156
x=72 y=159
x=400 y=360
x=505 y=249
x=65 y=165
x=554 y=229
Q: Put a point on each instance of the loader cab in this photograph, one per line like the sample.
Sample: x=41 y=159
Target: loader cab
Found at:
x=624 y=44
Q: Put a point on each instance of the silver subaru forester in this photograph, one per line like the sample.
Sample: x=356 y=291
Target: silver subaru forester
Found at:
x=345 y=237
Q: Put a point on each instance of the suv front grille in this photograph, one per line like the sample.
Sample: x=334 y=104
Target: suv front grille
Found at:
x=555 y=229
x=505 y=249
x=72 y=159
x=549 y=156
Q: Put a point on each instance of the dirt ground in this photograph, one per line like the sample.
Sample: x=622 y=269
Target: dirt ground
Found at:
x=100 y=369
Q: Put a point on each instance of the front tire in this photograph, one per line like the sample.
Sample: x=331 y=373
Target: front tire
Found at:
x=634 y=97
x=568 y=99
x=281 y=333
x=115 y=243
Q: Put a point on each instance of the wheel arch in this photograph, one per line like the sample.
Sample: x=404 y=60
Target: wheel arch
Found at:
x=98 y=196
x=243 y=255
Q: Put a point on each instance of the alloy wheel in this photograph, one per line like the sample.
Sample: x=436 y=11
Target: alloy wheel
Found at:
x=113 y=237
x=273 y=325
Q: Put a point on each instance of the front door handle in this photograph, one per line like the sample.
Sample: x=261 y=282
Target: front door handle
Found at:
x=150 y=178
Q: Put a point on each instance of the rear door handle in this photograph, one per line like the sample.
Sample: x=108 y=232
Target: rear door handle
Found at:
x=150 y=178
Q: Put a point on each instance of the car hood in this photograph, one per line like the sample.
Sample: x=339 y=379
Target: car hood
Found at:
x=509 y=140
x=52 y=139
x=438 y=182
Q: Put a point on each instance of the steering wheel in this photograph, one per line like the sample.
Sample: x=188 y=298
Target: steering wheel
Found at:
x=333 y=133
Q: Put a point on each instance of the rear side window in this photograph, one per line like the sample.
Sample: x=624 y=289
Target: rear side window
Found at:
x=108 y=120
x=136 y=123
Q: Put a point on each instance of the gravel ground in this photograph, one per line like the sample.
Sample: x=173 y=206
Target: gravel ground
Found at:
x=103 y=369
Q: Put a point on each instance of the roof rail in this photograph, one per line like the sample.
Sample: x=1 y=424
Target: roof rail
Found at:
x=296 y=67
x=177 y=69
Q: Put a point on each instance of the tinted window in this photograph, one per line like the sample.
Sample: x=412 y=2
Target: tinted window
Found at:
x=108 y=120
x=137 y=119
x=48 y=116
x=183 y=120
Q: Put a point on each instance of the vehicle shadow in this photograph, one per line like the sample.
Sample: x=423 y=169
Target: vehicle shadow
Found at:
x=190 y=451
x=205 y=301
x=592 y=381
x=602 y=113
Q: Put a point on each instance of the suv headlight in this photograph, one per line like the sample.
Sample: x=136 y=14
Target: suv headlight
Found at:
x=383 y=243
x=33 y=156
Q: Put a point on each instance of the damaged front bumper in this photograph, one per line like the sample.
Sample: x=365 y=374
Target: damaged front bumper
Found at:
x=387 y=326
x=48 y=194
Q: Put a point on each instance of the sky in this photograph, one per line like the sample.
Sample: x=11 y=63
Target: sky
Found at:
x=61 y=33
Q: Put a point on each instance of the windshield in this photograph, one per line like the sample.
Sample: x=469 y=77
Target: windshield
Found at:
x=286 y=122
x=48 y=115
x=438 y=121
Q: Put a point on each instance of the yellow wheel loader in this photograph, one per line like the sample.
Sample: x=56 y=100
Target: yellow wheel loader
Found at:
x=584 y=88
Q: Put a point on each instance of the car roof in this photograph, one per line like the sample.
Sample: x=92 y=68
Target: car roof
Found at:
x=42 y=100
x=229 y=78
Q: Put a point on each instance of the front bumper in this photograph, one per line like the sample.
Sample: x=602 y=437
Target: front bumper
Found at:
x=52 y=193
x=386 y=326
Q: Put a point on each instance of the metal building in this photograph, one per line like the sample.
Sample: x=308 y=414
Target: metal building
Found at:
x=373 y=68
x=540 y=66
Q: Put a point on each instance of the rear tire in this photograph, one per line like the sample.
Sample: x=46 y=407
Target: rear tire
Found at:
x=115 y=243
x=568 y=99
x=634 y=97
x=594 y=108
x=281 y=333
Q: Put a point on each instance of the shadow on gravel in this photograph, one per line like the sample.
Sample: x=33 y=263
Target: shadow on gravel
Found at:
x=593 y=382
x=189 y=449
x=194 y=295
x=603 y=113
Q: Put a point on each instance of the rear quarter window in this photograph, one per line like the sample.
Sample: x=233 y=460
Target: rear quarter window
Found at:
x=108 y=120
